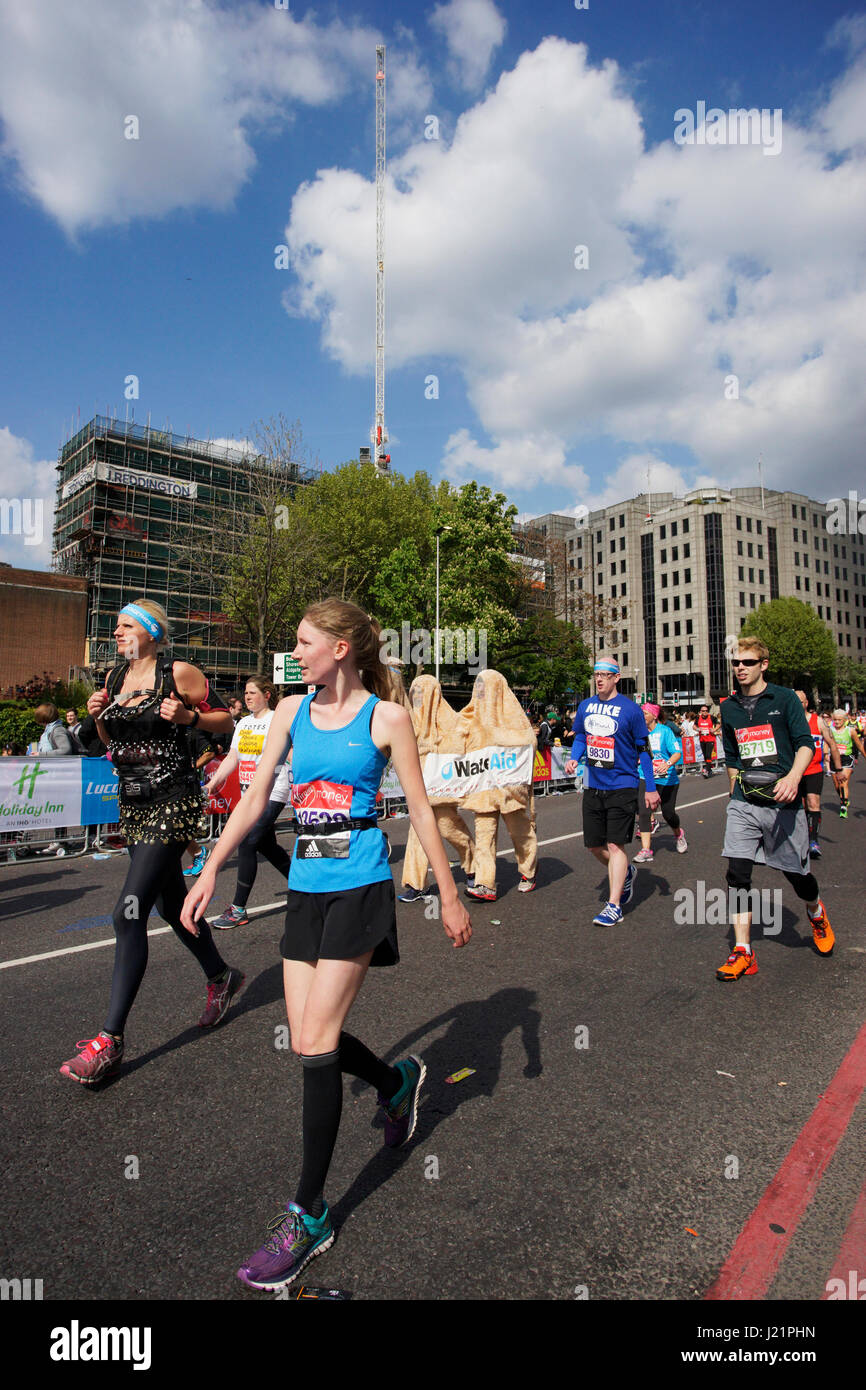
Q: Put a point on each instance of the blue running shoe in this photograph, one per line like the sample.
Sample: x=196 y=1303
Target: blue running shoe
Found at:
x=198 y=863
x=295 y=1239
x=413 y=895
x=628 y=886
x=610 y=916
x=401 y=1111
x=814 y=850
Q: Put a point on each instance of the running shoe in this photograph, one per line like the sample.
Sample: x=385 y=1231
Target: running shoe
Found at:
x=526 y=885
x=100 y=1057
x=480 y=893
x=197 y=864
x=401 y=1111
x=219 y=997
x=295 y=1238
x=682 y=842
x=739 y=962
x=843 y=810
x=814 y=850
x=413 y=895
x=232 y=917
x=628 y=886
x=822 y=933
x=656 y=827
x=646 y=856
x=610 y=916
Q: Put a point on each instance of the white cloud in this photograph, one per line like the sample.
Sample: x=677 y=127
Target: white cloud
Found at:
x=473 y=30
x=201 y=81
x=27 y=496
x=763 y=279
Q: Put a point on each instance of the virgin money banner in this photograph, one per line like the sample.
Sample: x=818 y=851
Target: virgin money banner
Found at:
x=226 y=797
x=52 y=792
x=457 y=775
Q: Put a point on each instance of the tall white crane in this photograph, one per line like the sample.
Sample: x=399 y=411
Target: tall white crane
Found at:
x=379 y=432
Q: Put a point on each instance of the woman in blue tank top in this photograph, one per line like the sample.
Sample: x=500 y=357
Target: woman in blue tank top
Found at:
x=340 y=914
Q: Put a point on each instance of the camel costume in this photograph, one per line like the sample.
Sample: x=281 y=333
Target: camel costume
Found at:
x=437 y=731
x=494 y=717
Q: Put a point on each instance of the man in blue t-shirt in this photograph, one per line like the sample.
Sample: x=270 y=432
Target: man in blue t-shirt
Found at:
x=611 y=732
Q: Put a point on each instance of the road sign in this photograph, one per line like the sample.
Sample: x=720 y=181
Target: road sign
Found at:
x=287 y=671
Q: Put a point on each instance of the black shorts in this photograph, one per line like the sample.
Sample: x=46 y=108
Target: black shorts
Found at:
x=608 y=817
x=812 y=783
x=340 y=926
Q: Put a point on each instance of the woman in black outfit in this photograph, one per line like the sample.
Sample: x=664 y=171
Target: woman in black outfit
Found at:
x=142 y=716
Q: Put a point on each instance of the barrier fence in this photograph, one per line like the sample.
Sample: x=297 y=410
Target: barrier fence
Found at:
x=68 y=806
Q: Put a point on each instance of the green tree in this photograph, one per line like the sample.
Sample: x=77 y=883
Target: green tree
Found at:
x=479 y=582
x=850 y=680
x=802 y=651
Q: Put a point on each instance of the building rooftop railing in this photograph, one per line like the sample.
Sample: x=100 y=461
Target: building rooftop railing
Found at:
x=101 y=426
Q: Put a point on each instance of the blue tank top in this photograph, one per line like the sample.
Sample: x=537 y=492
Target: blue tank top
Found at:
x=336 y=776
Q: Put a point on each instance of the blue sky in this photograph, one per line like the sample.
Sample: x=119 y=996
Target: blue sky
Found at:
x=719 y=315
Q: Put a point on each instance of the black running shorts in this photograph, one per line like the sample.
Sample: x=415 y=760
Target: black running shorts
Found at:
x=342 y=925
x=608 y=817
x=812 y=783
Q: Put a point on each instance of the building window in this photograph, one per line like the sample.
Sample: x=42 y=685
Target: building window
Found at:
x=661 y=533
x=676 y=603
x=664 y=605
x=673 y=528
x=625 y=658
x=739 y=547
x=666 y=655
x=741 y=574
x=750 y=549
x=622 y=566
x=664 y=581
x=663 y=556
x=678 y=653
x=676 y=578
x=751 y=600
x=622 y=520
x=685 y=528
x=666 y=630
x=677 y=629
x=797 y=580
x=687 y=550
x=748 y=523
x=687 y=576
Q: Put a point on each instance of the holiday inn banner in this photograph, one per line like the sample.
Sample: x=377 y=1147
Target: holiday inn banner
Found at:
x=56 y=792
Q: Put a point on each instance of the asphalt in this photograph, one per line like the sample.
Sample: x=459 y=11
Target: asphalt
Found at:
x=625 y=1113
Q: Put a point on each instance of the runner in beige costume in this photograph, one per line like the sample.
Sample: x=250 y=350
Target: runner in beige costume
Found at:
x=438 y=730
x=494 y=718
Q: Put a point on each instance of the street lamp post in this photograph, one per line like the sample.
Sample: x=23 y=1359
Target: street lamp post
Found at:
x=439 y=531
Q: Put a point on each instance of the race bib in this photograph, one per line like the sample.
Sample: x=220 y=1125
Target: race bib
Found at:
x=757 y=744
x=321 y=801
x=599 y=751
x=660 y=767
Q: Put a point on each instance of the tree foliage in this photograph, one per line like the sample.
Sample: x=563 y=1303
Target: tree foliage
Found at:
x=802 y=650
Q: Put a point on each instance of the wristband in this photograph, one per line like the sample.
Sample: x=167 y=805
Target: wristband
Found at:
x=195 y=718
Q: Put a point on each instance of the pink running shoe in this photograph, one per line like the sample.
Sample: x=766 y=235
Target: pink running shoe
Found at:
x=219 y=997
x=100 y=1057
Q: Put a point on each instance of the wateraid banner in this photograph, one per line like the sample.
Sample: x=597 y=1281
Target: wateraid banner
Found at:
x=53 y=792
x=547 y=766
x=454 y=774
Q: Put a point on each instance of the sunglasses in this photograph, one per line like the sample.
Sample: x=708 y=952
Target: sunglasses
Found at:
x=750 y=661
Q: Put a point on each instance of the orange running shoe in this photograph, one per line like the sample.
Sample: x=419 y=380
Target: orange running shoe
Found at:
x=822 y=933
x=739 y=962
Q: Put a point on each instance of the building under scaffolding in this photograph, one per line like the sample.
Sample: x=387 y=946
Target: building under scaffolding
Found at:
x=134 y=504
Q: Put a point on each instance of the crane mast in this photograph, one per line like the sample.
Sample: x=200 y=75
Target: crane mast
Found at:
x=379 y=433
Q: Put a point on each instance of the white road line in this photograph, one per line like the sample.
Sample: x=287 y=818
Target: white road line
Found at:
x=269 y=907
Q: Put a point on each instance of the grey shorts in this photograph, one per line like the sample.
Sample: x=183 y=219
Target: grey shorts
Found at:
x=777 y=836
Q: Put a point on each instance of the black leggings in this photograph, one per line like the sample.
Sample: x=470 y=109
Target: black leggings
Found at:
x=668 y=807
x=260 y=840
x=739 y=876
x=155 y=879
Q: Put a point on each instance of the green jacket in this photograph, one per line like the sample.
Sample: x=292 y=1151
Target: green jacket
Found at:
x=779 y=727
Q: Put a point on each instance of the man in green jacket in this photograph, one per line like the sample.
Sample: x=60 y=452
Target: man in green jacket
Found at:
x=768 y=747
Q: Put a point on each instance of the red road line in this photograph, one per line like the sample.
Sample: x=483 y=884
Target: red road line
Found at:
x=852 y=1254
x=758 y=1251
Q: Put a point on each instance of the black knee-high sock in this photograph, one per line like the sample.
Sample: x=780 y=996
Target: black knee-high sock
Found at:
x=323 y=1106
x=358 y=1060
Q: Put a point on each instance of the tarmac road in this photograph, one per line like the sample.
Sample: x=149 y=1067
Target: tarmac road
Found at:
x=625 y=1116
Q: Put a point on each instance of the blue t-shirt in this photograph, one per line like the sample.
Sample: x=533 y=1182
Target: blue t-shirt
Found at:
x=612 y=734
x=664 y=744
